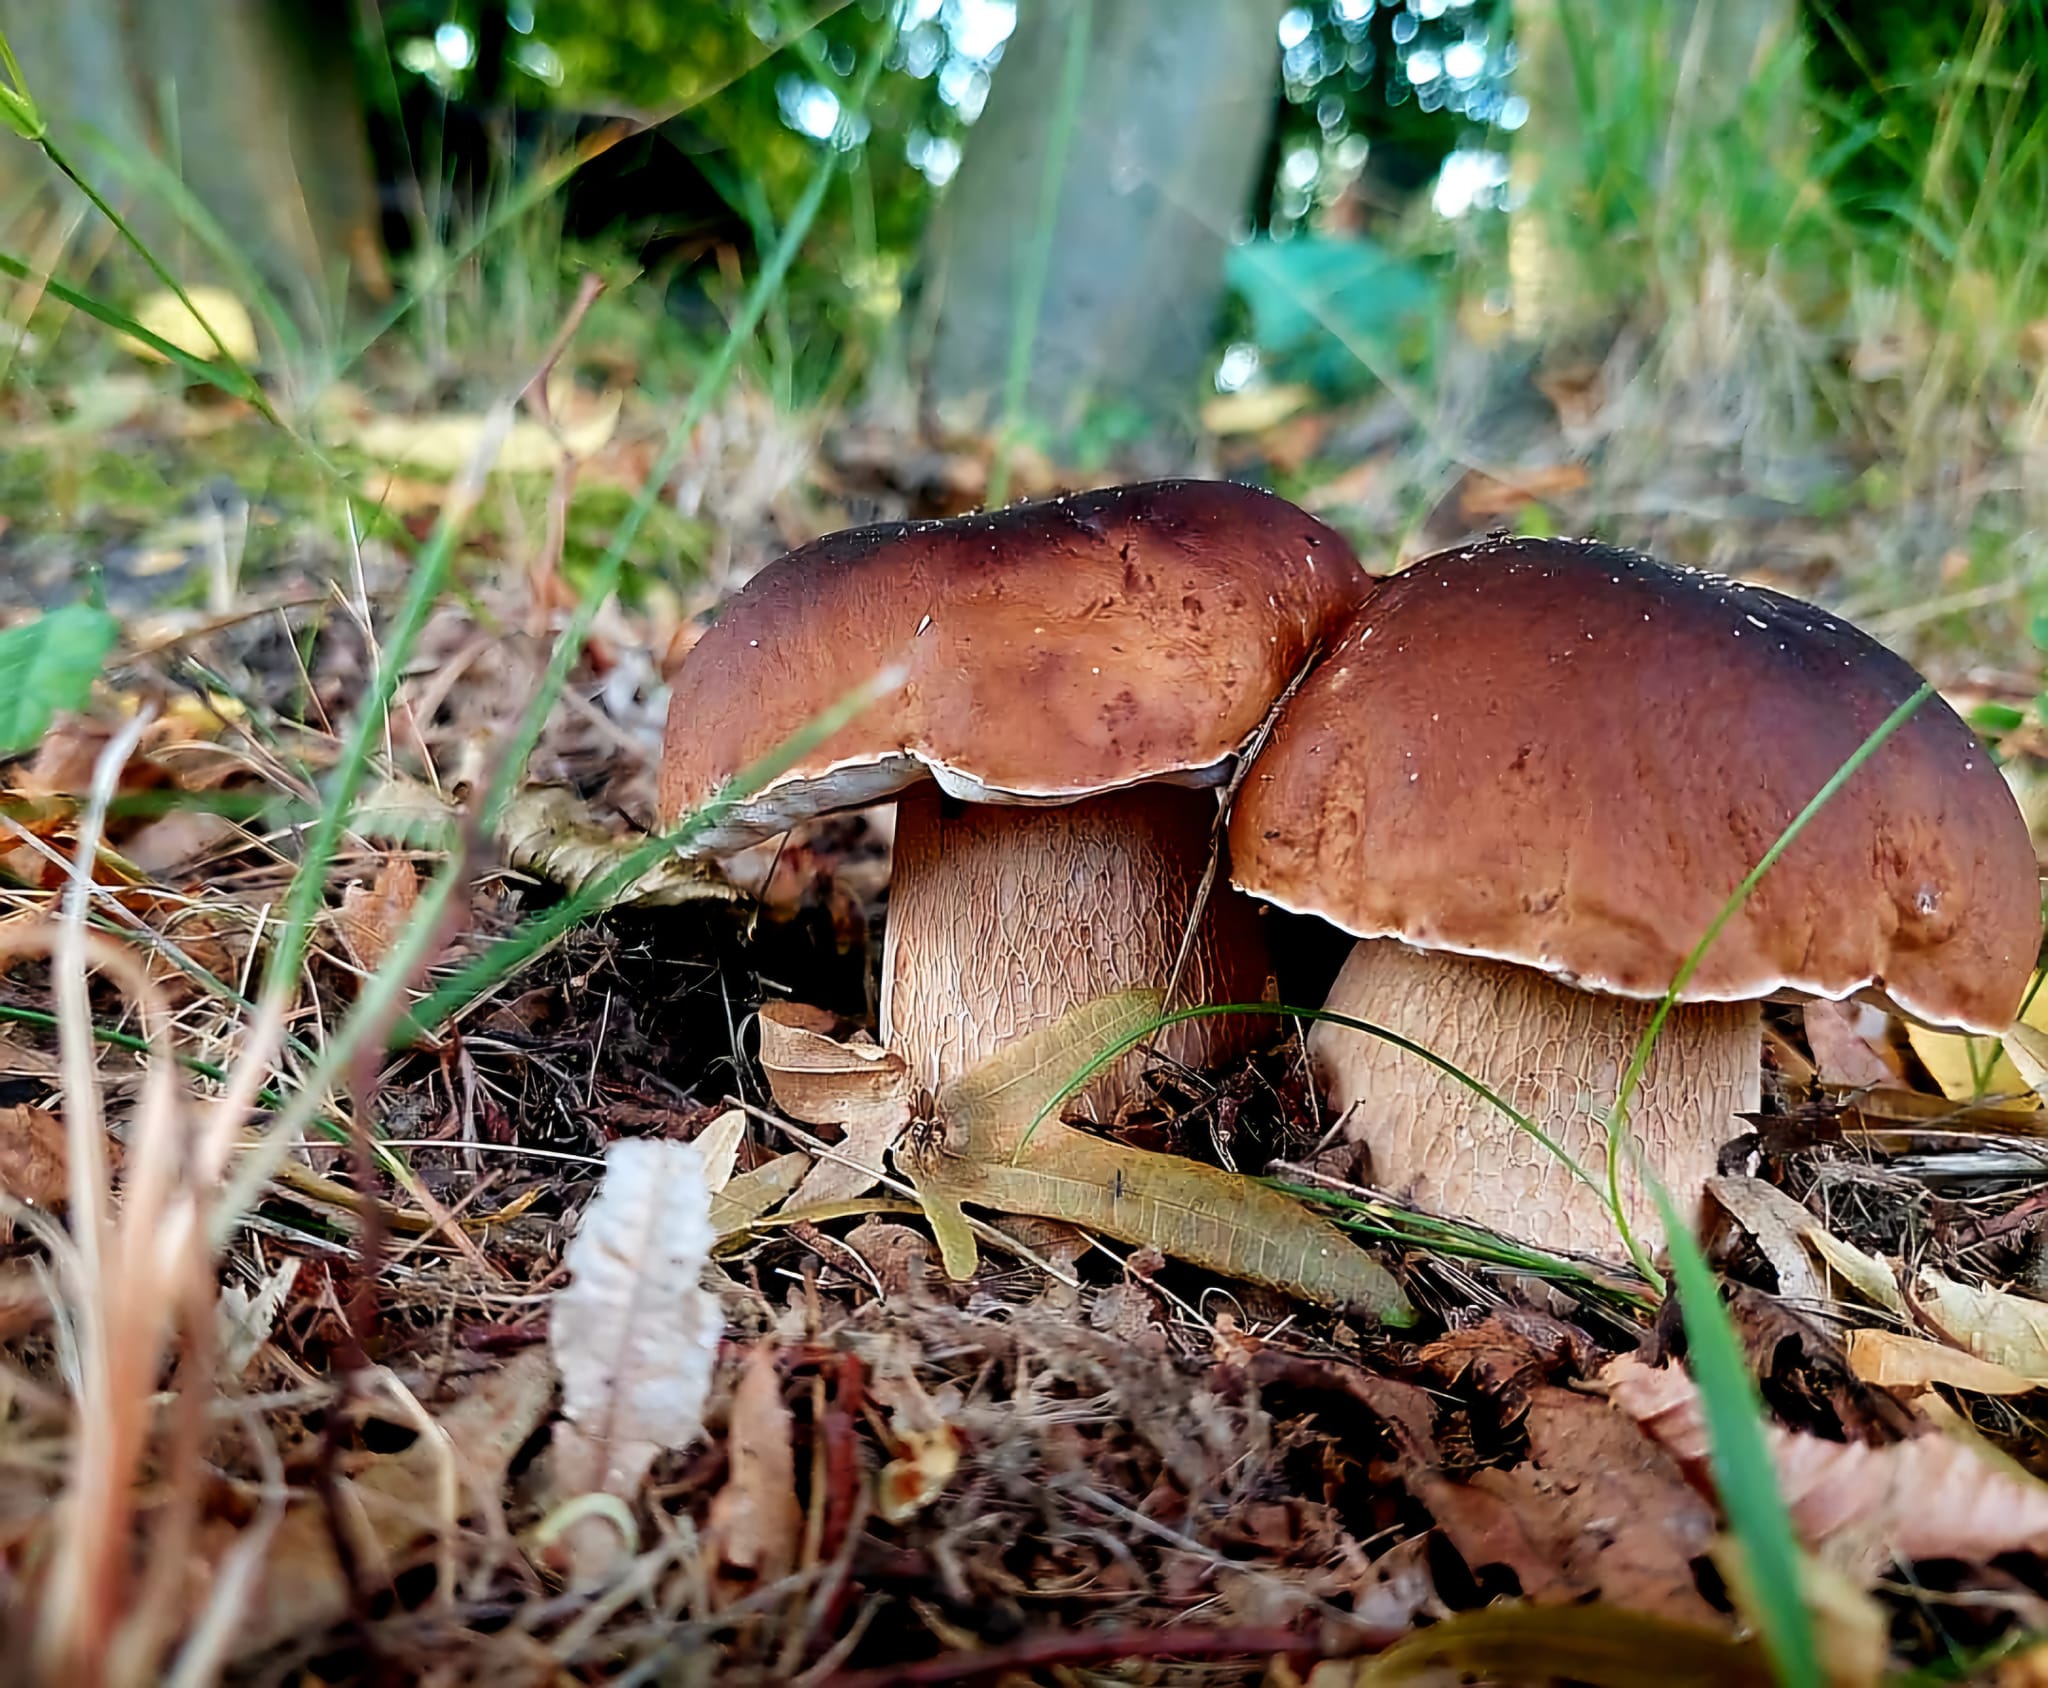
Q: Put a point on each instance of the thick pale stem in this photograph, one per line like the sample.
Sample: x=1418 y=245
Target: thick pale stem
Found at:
x=1001 y=918
x=1554 y=1052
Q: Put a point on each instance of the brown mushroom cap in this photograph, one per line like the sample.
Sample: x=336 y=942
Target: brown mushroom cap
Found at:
x=1567 y=756
x=1054 y=650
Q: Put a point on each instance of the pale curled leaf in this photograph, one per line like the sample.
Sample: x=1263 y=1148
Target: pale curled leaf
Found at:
x=1779 y=1226
x=819 y=1076
x=1869 y=1276
x=719 y=1144
x=1892 y=1360
x=634 y=1332
x=1926 y=1498
x=822 y=1072
x=745 y=1198
x=1996 y=1325
x=756 y=1520
x=247 y=1318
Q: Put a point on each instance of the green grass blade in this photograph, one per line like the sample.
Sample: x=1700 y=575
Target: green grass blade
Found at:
x=604 y=579
x=234 y=380
x=1741 y=1459
x=535 y=935
x=1639 y=1060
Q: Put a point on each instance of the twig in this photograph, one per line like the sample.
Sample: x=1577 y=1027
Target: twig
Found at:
x=1247 y=754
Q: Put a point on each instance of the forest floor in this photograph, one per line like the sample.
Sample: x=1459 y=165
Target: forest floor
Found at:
x=1083 y=1463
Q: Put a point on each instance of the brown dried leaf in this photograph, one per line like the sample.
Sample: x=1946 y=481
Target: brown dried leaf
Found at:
x=821 y=1071
x=1896 y=1361
x=1847 y=1043
x=756 y=1520
x=33 y=1161
x=1927 y=1498
x=1993 y=1324
x=393 y=1506
x=373 y=916
x=1597 y=1510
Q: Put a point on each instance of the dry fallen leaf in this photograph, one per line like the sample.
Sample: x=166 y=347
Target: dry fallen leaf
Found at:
x=756 y=1520
x=746 y=1197
x=168 y=317
x=1869 y=1276
x=1860 y=1506
x=1969 y=1067
x=1184 y=1208
x=32 y=1157
x=1847 y=1040
x=1779 y=1226
x=1598 y=1510
x=395 y=1505
x=247 y=1317
x=824 y=1073
x=1892 y=1360
x=372 y=917
x=2008 y=1330
x=635 y=1332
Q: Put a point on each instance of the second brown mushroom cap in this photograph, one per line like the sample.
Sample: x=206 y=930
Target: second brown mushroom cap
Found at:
x=1528 y=776
x=1077 y=673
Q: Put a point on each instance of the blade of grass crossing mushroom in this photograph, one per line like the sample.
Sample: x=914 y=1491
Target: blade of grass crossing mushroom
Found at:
x=1127 y=1042
x=536 y=934
x=604 y=579
x=1743 y=1473
x=1639 y=1060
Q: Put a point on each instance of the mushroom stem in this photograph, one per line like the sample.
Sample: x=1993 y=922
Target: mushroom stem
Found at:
x=1002 y=918
x=1556 y=1053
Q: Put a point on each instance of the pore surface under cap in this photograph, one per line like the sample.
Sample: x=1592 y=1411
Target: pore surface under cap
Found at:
x=1052 y=650
x=1568 y=756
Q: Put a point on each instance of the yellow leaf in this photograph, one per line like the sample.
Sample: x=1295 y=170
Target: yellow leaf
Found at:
x=166 y=316
x=1896 y=1361
x=1969 y=1067
x=1869 y=1276
x=745 y=1198
x=1603 y=1645
x=445 y=443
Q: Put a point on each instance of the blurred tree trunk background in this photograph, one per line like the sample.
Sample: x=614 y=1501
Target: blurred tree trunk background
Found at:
x=252 y=104
x=1160 y=169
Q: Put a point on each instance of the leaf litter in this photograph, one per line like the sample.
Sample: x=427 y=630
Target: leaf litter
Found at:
x=654 y=1377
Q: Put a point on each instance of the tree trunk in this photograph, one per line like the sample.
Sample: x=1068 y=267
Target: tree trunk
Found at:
x=252 y=104
x=1161 y=166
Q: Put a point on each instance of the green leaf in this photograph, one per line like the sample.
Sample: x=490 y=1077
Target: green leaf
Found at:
x=2040 y=630
x=1996 y=717
x=48 y=665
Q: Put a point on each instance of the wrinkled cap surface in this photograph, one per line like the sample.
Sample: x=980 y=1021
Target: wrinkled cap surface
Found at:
x=1568 y=756
x=1052 y=651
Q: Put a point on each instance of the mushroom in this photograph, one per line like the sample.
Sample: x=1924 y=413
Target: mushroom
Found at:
x=1078 y=672
x=1527 y=777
